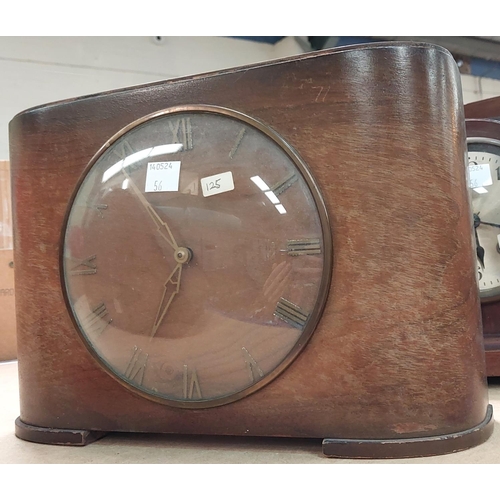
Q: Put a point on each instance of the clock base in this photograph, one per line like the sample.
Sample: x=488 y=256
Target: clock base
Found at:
x=414 y=447
x=337 y=448
x=49 y=435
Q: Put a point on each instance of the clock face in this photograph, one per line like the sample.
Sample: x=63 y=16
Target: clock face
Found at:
x=484 y=172
x=197 y=256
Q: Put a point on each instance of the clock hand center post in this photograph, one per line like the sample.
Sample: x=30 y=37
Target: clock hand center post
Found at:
x=183 y=255
x=478 y=222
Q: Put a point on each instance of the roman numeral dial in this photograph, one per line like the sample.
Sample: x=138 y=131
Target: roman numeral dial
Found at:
x=181 y=132
x=254 y=370
x=237 y=143
x=97 y=321
x=191 y=384
x=122 y=150
x=197 y=254
x=85 y=267
x=136 y=366
x=291 y=313
x=282 y=186
x=308 y=246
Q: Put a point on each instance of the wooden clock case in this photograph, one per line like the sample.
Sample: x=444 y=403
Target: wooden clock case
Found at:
x=483 y=120
x=396 y=365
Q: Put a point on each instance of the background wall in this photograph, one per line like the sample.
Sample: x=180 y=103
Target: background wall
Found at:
x=39 y=70
x=475 y=88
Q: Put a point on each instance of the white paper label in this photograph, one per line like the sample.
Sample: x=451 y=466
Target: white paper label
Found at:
x=163 y=176
x=480 y=175
x=216 y=184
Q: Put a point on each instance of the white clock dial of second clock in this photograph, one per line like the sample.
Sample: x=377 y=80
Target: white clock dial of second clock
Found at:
x=486 y=212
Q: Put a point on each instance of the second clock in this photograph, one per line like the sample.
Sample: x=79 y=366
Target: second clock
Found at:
x=484 y=168
x=483 y=144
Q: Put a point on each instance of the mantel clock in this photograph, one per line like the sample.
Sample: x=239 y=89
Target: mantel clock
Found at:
x=265 y=251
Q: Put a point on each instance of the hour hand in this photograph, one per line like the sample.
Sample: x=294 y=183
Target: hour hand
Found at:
x=479 y=250
x=170 y=290
x=161 y=225
x=171 y=287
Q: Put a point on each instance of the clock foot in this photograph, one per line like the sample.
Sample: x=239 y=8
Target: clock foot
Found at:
x=49 y=435
x=413 y=447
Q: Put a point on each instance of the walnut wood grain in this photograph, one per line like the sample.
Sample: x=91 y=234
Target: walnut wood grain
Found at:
x=486 y=108
x=398 y=353
x=413 y=447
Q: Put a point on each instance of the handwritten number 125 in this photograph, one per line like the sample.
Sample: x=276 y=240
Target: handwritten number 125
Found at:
x=213 y=185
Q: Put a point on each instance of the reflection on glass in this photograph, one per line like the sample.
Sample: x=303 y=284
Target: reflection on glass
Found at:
x=260 y=183
x=140 y=155
x=269 y=193
x=272 y=197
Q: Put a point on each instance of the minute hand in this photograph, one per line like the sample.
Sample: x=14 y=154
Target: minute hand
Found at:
x=490 y=224
x=162 y=227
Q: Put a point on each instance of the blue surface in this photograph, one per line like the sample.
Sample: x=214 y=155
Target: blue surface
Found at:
x=262 y=39
x=353 y=40
x=482 y=67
